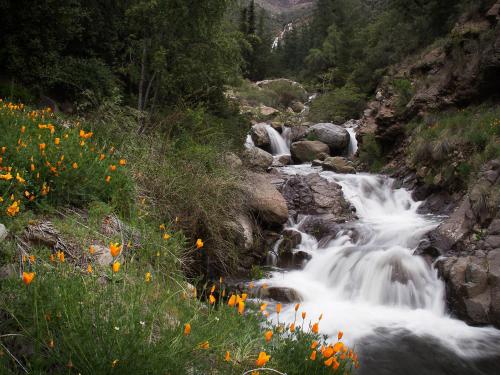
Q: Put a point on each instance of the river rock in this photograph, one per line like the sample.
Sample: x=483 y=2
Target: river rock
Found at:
x=280 y=294
x=336 y=137
x=315 y=195
x=293 y=260
x=265 y=200
x=472 y=286
x=256 y=158
x=306 y=151
x=290 y=240
x=336 y=164
x=259 y=135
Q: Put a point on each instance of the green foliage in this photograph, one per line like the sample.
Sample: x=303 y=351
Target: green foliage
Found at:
x=338 y=105
x=47 y=161
x=371 y=154
x=404 y=91
x=158 y=52
x=455 y=144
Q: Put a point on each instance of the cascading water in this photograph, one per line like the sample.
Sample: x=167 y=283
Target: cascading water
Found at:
x=279 y=145
x=249 y=142
x=353 y=142
x=367 y=282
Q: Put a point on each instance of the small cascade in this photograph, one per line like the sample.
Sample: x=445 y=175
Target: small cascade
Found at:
x=366 y=279
x=279 y=145
x=249 y=142
x=353 y=142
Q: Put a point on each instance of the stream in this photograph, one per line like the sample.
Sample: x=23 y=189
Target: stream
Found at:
x=367 y=283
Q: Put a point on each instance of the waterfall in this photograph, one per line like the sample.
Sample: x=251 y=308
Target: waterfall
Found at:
x=279 y=145
x=249 y=142
x=366 y=280
x=353 y=142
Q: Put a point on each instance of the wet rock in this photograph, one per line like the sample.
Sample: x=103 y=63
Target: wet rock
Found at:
x=291 y=239
x=315 y=195
x=306 y=151
x=472 y=286
x=281 y=160
x=256 y=158
x=494 y=227
x=265 y=200
x=293 y=260
x=259 y=136
x=323 y=227
x=285 y=295
x=336 y=164
x=336 y=137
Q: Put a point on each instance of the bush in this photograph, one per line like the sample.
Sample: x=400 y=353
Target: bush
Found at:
x=47 y=161
x=456 y=143
x=404 y=91
x=371 y=154
x=338 y=105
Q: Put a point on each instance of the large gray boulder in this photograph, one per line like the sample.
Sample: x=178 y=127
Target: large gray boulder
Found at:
x=265 y=200
x=256 y=158
x=336 y=137
x=306 y=151
x=260 y=136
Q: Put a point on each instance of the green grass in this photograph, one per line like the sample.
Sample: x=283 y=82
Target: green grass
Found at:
x=455 y=144
x=70 y=320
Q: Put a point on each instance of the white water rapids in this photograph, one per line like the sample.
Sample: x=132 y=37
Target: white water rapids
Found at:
x=366 y=280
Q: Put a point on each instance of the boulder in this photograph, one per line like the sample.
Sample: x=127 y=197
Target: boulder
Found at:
x=315 y=195
x=232 y=160
x=265 y=200
x=101 y=255
x=3 y=232
x=298 y=133
x=280 y=294
x=468 y=287
x=293 y=260
x=336 y=164
x=306 y=151
x=336 y=137
x=267 y=111
x=281 y=160
x=259 y=135
x=257 y=158
x=297 y=106
x=241 y=231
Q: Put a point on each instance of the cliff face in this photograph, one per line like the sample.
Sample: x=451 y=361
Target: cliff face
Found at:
x=460 y=70
x=456 y=71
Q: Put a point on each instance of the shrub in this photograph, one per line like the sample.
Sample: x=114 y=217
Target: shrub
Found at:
x=456 y=143
x=44 y=160
x=404 y=91
x=371 y=154
x=338 y=105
